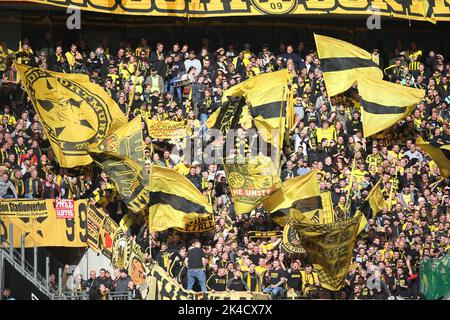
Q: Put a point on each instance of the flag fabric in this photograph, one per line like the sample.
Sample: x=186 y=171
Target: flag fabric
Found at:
x=74 y=112
x=373 y=203
x=251 y=181
x=384 y=103
x=127 y=178
x=265 y=96
x=126 y=142
x=301 y=193
x=428 y=12
x=329 y=247
x=327 y=205
x=174 y=200
x=439 y=151
x=165 y=129
x=227 y=116
x=341 y=62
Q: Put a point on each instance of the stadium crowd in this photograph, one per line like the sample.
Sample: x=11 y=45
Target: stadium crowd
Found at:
x=171 y=81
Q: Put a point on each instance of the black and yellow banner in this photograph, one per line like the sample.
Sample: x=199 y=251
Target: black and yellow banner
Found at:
x=329 y=247
x=384 y=103
x=341 y=62
x=251 y=181
x=197 y=224
x=439 y=151
x=100 y=230
x=137 y=266
x=75 y=113
x=301 y=192
x=414 y=10
x=291 y=242
x=264 y=234
x=166 y=129
x=38 y=222
x=126 y=142
x=227 y=116
x=159 y=286
x=127 y=178
x=174 y=200
x=265 y=96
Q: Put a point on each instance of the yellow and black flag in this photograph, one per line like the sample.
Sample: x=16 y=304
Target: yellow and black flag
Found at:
x=384 y=103
x=301 y=193
x=428 y=12
x=341 y=62
x=265 y=96
x=251 y=181
x=373 y=203
x=329 y=247
x=439 y=151
x=174 y=200
x=127 y=177
x=127 y=142
x=75 y=113
x=227 y=116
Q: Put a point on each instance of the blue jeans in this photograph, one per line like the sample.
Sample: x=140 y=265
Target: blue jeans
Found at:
x=274 y=292
x=28 y=196
x=203 y=118
x=172 y=88
x=199 y=274
x=7 y=196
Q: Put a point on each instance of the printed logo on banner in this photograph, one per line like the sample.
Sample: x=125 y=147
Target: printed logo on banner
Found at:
x=65 y=209
x=275 y=6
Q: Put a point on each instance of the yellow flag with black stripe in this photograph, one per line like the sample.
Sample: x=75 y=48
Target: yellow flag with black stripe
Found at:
x=173 y=200
x=329 y=247
x=251 y=181
x=439 y=151
x=341 y=62
x=265 y=96
x=130 y=180
x=373 y=203
x=227 y=117
x=384 y=103
x=300 y=192
x=127 y=142
x=74 y=112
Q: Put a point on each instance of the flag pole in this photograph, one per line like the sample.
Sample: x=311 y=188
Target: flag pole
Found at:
x=348 y=200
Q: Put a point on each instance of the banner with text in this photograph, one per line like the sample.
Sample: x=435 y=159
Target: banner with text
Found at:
x=415 y=9
x=40 y=224
x=166 y=129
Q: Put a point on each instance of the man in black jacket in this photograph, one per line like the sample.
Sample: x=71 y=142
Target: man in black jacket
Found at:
x=217 y=282
x=236 y=283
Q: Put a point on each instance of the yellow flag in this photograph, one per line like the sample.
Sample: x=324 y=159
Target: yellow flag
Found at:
x=265 y=96
x=173 y=200
x=329 y=247
x=251 y=181
x=439 y=151
x=373 y=204
x=301 y=193
x=127 y=141
x=385 y=103
x=341 y=62
x=428 y=12
x=75 y=113
x=130 y=180
x=327 y=205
